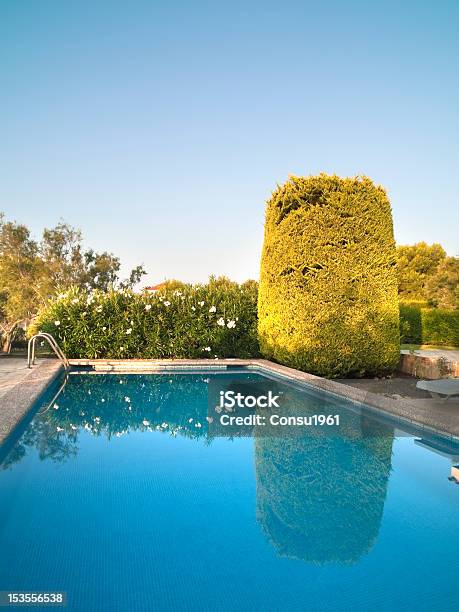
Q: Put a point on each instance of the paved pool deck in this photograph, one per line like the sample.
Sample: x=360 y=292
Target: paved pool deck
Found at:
x=19 y=387
x=449 y=354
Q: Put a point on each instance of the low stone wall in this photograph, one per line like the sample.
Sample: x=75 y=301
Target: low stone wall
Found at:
x=430 y=367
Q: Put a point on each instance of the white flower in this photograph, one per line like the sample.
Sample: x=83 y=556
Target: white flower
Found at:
x=127 y=399
x=193 y=308
x=56 y=406
x=221 y=322
x=59 y=429
x=212 y=309
x=177 y=292
x=201 y=303
x=231 y=324
x=57 y=323
x=99 y=309
x=75 y=301
x=104 y=328
x=206 y=348
x=147 y=306
x=128 y=331
x=73 y=427
x=190 y=420
x=167 y=303
x=145 y=422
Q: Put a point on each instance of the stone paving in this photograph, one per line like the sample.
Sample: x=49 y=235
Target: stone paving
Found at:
x=20 y=387
x=449 y=354
x=12 y=371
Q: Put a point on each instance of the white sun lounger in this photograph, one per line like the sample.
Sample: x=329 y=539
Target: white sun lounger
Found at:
x=443 y=388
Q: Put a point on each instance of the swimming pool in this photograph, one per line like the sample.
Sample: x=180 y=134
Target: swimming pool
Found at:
x=127 y=493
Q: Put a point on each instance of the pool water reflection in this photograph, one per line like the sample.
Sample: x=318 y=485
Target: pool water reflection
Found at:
x=124 y=493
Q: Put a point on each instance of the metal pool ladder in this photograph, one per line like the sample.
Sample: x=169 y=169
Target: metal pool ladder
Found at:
x=52 y=343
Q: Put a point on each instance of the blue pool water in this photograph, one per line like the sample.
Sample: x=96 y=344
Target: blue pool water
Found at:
x=114 y=495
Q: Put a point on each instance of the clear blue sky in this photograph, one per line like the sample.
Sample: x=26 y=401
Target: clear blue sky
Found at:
x=160 y=128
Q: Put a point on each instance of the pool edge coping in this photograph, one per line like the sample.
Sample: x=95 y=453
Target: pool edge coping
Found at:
x=16 y=403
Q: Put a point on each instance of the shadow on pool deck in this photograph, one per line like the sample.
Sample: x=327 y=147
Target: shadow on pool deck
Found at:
x=404 y=387
x=396 y=387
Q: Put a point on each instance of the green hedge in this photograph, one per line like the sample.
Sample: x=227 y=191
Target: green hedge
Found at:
x=440 y=326
x=218 y=319
x=420 y=325
x=328 y=289
x=410 y=321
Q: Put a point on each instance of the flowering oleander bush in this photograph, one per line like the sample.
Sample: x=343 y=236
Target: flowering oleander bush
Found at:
x=218 y=319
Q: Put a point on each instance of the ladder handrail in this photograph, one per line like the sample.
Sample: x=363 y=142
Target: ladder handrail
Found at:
x=51 y=340
x=53 y=344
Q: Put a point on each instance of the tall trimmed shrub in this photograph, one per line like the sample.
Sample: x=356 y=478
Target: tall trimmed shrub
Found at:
x=328 y=288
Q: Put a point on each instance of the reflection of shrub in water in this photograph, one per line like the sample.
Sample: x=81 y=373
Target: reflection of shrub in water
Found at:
x=321 y=499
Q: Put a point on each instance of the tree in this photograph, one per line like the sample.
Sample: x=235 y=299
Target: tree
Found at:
x=31 y=271
x=100 y=270
x=442 y=288
x=415 y=265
